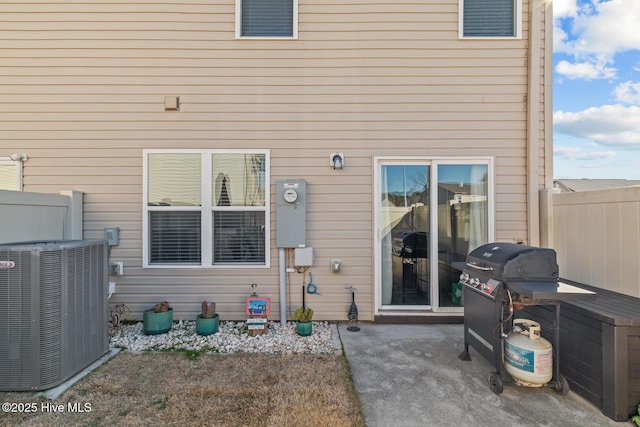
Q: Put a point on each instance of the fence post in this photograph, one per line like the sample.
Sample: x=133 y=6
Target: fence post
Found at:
x=546 y=216
x=73 y=224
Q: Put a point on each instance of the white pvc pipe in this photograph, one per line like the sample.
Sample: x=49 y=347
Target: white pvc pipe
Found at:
x=283 y=286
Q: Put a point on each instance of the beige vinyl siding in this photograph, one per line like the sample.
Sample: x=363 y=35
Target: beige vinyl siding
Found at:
x=82 y=86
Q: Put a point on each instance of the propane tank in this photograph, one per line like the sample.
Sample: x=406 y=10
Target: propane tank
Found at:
x=527 y=356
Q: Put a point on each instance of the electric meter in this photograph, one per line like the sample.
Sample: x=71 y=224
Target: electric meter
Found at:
x=290 y=195
x=291 y=213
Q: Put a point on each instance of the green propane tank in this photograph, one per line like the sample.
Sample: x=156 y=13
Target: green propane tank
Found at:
x=527 y=356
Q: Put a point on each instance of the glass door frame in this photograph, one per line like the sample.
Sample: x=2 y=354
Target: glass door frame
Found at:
x=432 y=162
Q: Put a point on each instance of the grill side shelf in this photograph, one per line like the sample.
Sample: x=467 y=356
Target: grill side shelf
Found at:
x=556 y=291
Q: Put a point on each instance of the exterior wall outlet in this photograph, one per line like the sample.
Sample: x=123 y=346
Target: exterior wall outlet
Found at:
x=335 y=265
x=117 y=268
x=112 y=236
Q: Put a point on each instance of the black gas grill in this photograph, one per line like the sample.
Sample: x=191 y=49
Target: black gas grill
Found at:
x=410 y=244
x=497 y=277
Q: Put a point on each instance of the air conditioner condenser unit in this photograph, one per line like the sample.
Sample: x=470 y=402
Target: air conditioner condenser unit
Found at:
x=53 y=311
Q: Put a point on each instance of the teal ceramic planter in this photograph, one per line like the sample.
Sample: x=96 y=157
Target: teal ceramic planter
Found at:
x=157 y=323
x=304 y=329
x=207 y=326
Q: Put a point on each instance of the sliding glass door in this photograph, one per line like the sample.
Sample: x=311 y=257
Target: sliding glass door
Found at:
x=404 y=223
x=429 y=214
x=463 y=223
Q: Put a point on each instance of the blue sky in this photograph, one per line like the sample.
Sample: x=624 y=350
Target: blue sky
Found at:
x=596 y=89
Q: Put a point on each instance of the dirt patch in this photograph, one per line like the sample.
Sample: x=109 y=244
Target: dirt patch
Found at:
x=214 y=390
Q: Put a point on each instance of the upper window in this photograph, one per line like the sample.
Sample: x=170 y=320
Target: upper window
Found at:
x=267 y=18
x=490 y=18
x=206 y=208
x=10 y=174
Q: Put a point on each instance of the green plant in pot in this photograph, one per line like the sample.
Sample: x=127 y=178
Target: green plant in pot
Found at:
x=304 y=325
x=158 y=320
x=208 y=321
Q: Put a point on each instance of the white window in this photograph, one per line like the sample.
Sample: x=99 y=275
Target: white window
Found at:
x=267 y=19
x=206 y=208
x=490 y=18
x=10 y=174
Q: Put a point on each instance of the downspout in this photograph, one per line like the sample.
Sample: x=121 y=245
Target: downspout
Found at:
x=546 y=196
x=548 y=94
x=533 y=122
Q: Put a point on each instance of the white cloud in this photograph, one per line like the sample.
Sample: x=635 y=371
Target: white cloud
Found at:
x=564 y=8
x=585 y=70
x=593 y=33
x=629 y=139
x=628 y=92
x=560 y=38
x=576 y=153
x=598 y=165
x=608 y=125
x=611 y=27
x=619 y=167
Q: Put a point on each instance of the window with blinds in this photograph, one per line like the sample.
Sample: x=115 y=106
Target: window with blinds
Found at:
x=490 y=18
x=266 y=18
x=174 y=237
x=206 y=208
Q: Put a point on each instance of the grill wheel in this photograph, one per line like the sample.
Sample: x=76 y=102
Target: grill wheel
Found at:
x=562 y=385
x=495 y=382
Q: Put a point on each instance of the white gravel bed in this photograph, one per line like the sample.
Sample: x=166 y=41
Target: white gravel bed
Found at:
x=232 y=337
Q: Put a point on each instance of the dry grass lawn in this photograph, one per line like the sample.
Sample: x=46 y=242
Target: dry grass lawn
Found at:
x=212 y=389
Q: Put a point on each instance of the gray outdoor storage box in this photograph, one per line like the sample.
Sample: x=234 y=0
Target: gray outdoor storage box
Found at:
x=53 y=311
x=600 y=348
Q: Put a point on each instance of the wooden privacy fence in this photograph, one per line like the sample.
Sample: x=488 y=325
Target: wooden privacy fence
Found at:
x=34 y=216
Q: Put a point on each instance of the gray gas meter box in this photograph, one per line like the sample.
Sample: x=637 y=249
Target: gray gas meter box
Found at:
x=291 y=213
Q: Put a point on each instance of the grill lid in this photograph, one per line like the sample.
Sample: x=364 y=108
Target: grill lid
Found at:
x=509 y=261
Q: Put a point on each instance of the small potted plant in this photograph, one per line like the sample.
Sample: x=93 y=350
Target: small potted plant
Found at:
x=207 y=322
x=304 y=325
x=158 y=320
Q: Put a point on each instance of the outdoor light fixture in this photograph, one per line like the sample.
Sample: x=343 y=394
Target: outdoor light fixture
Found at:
x=336 y=160
x=17 y=157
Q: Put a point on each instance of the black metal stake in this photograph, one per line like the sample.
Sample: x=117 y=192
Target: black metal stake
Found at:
x=353 y=312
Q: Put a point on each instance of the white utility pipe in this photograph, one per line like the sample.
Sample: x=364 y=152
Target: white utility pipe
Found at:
x=283 y=286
